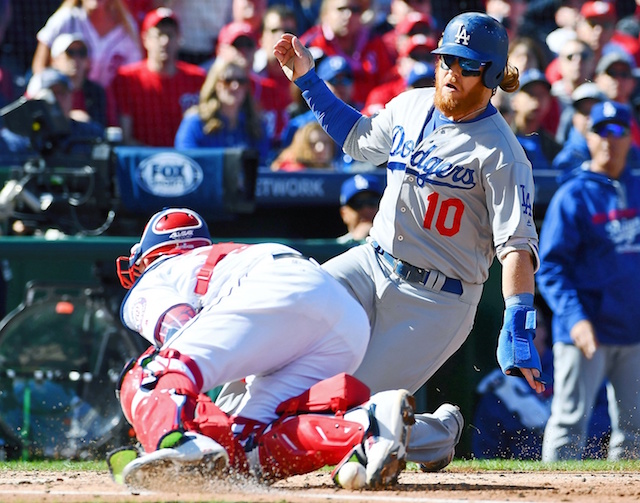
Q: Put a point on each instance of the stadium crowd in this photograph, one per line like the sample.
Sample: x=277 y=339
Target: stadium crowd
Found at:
x=136 y=63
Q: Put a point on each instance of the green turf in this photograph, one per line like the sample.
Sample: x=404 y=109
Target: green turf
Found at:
x=456 y=466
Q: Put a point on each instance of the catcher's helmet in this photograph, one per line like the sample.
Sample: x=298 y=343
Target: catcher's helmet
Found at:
x=171 y=231
x=477 y=36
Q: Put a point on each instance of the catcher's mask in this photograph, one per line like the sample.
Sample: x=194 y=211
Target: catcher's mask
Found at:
x=171 y=231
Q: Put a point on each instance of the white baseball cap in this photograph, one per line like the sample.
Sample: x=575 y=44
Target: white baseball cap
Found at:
x=63 y=41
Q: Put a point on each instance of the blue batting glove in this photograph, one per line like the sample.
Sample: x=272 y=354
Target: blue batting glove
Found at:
x=515 y=342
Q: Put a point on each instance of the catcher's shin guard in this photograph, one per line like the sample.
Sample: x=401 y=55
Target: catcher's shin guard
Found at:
x=300 y=444
x=157 y=394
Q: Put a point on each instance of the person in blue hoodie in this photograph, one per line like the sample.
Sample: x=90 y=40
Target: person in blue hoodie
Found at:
x=589 y=272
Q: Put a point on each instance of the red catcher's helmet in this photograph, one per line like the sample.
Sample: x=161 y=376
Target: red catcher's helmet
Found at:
x=171 y=231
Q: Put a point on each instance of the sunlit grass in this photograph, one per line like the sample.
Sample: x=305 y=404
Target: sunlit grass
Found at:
x=476 y=465
x=590 y=465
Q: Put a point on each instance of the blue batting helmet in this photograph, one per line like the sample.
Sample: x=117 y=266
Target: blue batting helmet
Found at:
x=171 y=231
x=477 y=36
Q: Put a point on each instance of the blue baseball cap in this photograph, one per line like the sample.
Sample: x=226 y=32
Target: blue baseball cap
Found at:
x=357 y=184
x=531 y=76
x=332 y=66
x=609 y=112
x=421 y=71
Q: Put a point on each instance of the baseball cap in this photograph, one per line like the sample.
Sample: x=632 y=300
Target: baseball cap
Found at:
x=155 y=16
x=421 y=71
x=598 y=9
x=418 y=41
x=358 y=184
x=532 y=75
x=412 y=21
x=332 y=66
x=63 y=41
x=588 y=90
x=46 y=79
x=609 y=112
x=233 y=31
x=608 y=59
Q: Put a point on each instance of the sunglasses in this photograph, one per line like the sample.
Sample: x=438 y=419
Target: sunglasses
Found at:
x=244 y=43
x=470 y=67
x=357 y=203
x=77 y=53
x=242 y=81
x=355 y=9
x=618 y=75
x=341 y=80
x=611 y=130
x=578 y=55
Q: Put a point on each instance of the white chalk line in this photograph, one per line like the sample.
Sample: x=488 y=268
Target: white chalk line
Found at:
x=364 y=496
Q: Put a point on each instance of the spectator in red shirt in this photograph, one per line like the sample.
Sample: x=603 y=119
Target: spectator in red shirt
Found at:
x=416 y=49
x=249 y=11
x=340 y=32
x=597 y=27
x=152 y=95
x=414 y=23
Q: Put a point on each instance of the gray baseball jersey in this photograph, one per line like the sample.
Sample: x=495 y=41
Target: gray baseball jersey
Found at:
x=456 y=195
x=453 y=195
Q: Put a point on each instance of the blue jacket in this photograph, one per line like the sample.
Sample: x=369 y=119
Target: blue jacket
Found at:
x=190 y=134
x=575 y=151
x=590 y=256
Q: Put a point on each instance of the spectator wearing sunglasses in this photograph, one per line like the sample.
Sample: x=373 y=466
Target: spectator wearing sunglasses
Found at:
x=615 y=77
x=152 y=95
x=576 y=66
x=359 y=200
x=405 y=27
x=278 y=19
x=596 y=26
x=530 y=104
x=590 y=264
x=226 y=115
x=70 y=55
x=238 y=42
x=340 y=31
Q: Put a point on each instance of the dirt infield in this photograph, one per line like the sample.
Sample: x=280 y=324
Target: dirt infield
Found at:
x=448 y=486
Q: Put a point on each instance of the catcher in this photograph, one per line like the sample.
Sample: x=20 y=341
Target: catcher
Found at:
x=215 y=313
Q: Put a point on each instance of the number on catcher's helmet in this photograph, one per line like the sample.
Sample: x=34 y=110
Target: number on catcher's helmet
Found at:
x=171 y=231
x=477 y=36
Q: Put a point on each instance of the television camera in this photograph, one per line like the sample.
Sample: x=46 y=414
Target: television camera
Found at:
x=63 y=181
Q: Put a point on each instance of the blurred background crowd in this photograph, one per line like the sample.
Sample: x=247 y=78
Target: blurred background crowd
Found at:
x=201 y=73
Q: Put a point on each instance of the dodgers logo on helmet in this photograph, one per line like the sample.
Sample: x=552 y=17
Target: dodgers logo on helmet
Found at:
x=462 y=37
x=477 y=36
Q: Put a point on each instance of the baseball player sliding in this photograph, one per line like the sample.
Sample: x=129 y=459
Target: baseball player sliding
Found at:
x=459 y=193
x=215 y=313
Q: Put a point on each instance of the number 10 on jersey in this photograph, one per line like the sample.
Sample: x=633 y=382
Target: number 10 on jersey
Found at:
x=444 y=216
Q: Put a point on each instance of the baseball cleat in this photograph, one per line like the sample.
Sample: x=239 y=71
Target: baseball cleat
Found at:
x=452 y=418
x=385 y=447
x=196 y=457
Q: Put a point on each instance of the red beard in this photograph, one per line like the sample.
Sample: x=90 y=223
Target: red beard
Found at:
x=461 y=106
